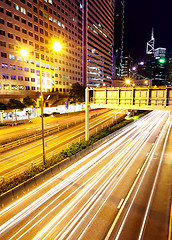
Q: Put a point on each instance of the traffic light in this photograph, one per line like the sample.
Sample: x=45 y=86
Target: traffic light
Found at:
x=161 y=60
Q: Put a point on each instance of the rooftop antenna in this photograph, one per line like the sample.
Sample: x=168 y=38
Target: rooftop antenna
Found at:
x=150 y=44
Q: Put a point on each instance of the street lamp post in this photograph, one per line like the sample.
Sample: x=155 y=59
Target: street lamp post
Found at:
x=42 y=111
x=56 y=47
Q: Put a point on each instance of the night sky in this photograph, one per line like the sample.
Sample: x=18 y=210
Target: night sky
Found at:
x=140 y=17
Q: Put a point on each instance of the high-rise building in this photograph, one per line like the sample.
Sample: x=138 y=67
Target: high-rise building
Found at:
x=126 y=67
x=34 y=26
x=98 y=18
x=156 y=63
x=170 y=70
x=118 y=38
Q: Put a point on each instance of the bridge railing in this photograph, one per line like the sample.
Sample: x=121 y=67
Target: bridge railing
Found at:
x=133 y=96
x=135 y=101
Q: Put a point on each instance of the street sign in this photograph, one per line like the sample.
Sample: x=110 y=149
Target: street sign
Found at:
x=66 y=104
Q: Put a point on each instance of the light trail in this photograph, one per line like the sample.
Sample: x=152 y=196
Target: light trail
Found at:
x=154 y=184
x=139 y=186
x=51 y=226
x=119 y=162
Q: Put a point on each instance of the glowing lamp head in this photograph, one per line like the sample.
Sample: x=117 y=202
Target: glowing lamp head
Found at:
x=127 y=81
x=57 y=46
x=23 y=52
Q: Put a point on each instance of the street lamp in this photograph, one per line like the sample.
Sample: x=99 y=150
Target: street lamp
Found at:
x=127 y=81
x=56 y=47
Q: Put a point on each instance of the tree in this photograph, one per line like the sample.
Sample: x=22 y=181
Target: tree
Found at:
x=27 y=101
x=3 y=106
x=15 y=104
x=77 y=93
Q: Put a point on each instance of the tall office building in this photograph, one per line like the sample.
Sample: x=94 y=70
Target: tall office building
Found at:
x=126 y=67
x=98 y=18
x=118 y=38
x=170 y=70
x=34 y=26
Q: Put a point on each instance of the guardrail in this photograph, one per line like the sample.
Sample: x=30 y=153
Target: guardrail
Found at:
x=107 y=123
x=37 y=136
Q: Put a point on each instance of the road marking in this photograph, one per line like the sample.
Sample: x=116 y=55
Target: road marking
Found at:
x=138 y=171
x=169 y=233
x=129 y=193
x=119 y=205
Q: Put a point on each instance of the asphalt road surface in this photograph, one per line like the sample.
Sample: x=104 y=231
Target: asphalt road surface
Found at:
x=17 y=159
x=111 y=193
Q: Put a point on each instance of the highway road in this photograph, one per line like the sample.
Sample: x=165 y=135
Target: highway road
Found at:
x=111 y=193
x=15 y=160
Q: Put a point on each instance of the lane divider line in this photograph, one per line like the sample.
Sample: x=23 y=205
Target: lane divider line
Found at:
x=170 y=224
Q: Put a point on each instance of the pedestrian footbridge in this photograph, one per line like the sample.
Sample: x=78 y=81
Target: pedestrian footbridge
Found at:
x=145 y=98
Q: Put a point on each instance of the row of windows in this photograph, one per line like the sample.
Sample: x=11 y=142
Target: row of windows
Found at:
x=37 y=38
x=20 y=78
x=15 y=87
x=32 y=70
x=45 y=15
x=43 y=65
x=21 y=87
x=8 y=2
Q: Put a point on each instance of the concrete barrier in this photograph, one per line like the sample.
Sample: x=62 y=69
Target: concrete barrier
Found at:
x=19 y=191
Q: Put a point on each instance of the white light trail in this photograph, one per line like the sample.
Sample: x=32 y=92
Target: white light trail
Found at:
x=126 y=145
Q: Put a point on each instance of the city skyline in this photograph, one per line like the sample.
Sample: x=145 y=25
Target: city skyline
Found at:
x=140 y=18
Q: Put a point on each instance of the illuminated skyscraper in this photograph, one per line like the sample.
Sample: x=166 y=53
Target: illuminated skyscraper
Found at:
x=98 y=19
x=34 y=26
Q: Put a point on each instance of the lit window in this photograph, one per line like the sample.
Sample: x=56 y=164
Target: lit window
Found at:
x=6 y=86
x=4 y=65
x=11 y=56
x=23 y=10
x=19 y=58
x=46 y=15
x=13 y=67
x=21 y=87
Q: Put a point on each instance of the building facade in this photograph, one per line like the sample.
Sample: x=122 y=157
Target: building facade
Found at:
x=170 y=70
x=118 y=38
x=98 y=18
x=34 y=26
x=126 y=67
